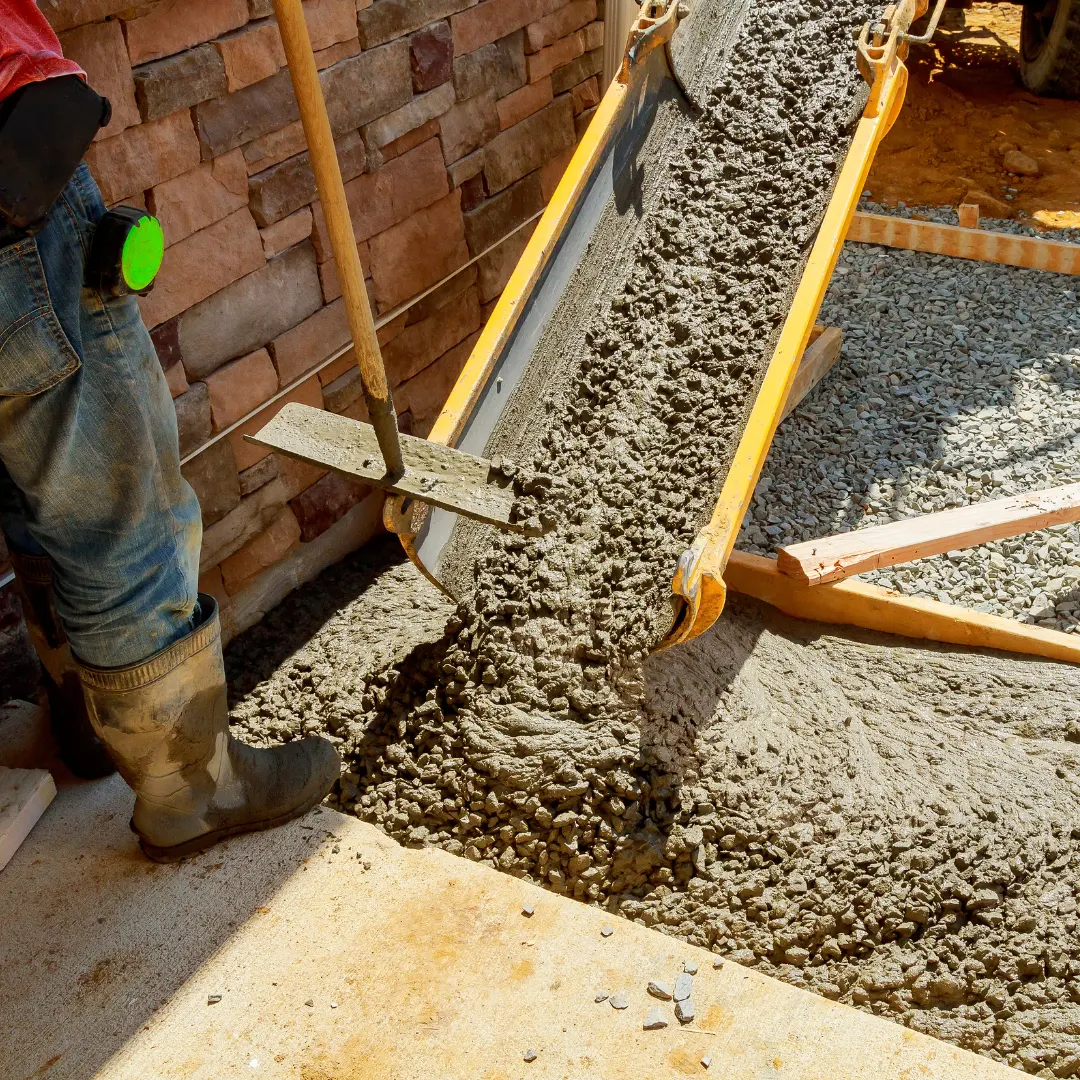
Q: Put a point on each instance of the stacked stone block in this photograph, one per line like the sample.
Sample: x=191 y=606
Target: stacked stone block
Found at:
x=454 y=120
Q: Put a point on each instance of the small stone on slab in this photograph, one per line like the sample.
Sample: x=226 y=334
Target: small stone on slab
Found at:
x=683 y=985
x=310 y=1003
x=620 y=1000
x=659 y=990
x=690 y=967
x=684 y=1011
x=654 y=1020
x=717 y=964
x=601 y=997
x=706 y=1061
x=212 y=999
x=607 y=931
x=529 y=910
x=530 y=1055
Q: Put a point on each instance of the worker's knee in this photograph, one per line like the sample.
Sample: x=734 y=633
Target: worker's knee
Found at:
x=132 y=592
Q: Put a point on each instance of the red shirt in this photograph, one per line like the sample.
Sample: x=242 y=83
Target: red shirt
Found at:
x=29 y=50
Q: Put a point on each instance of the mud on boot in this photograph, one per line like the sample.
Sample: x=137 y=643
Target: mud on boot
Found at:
x=166 y=723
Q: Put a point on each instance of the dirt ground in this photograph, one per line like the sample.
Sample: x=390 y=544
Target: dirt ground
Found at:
x=965 y=108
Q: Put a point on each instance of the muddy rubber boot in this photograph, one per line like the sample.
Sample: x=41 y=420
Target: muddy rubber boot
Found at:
x=166 y=724
x=78 y=745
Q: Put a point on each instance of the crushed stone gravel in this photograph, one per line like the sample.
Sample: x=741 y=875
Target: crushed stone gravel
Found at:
x=958 y=381
x=654 y=1020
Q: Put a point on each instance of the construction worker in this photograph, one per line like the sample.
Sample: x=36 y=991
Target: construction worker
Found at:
x=104 y=533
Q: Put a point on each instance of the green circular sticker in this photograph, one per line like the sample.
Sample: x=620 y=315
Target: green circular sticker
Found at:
x=144 y=248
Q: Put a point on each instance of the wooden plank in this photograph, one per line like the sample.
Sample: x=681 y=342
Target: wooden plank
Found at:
x=832 y=558
x=817 y=360
x=435 y=474
x=1032 y=252
x=24 y=796
x=857 y=603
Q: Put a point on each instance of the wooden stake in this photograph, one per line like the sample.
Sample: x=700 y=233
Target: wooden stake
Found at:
x=1033 y=252
x=968 y=215
x=833 y=558
x=819 y=357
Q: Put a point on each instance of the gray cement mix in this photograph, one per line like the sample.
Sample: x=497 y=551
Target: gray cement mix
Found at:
x=887 y=825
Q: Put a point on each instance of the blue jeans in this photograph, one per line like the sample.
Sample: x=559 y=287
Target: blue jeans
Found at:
x=89 y=459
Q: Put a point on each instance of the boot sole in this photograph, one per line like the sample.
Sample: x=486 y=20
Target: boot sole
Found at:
x=200 y=843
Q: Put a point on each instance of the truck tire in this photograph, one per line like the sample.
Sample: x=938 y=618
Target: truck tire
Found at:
x=1050 y=47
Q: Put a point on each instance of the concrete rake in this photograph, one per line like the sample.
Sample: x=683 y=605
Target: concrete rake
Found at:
x=378 y=452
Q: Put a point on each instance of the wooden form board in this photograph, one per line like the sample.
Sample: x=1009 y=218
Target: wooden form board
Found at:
x=1032 y=252
x=856 y=603
x=24 y=796
x=833 y=558
x=817 y=360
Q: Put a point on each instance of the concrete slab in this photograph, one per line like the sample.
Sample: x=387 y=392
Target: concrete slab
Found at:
x=25 y=795
x=338 y=955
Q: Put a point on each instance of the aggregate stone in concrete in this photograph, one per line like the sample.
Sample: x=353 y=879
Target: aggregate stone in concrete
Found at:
x=655 y=1020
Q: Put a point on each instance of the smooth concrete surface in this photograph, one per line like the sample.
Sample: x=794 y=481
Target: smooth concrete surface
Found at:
x=339 y=955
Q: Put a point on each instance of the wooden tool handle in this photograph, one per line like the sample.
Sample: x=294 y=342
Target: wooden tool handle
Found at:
x=324 y=163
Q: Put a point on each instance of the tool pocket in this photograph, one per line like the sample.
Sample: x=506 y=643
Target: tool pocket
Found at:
x=35 y=353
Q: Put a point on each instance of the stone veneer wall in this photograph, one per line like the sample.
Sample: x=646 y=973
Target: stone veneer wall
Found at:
x=454 y=120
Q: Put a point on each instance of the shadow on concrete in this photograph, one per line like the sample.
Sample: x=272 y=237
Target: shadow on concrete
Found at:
x=253 y=656
x=97 y=940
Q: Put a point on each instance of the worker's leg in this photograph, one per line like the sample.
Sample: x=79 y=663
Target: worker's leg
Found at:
x=88 y=437
x=76 y=741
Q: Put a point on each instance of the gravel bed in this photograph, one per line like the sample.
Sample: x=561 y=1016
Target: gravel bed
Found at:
x=958 y=381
